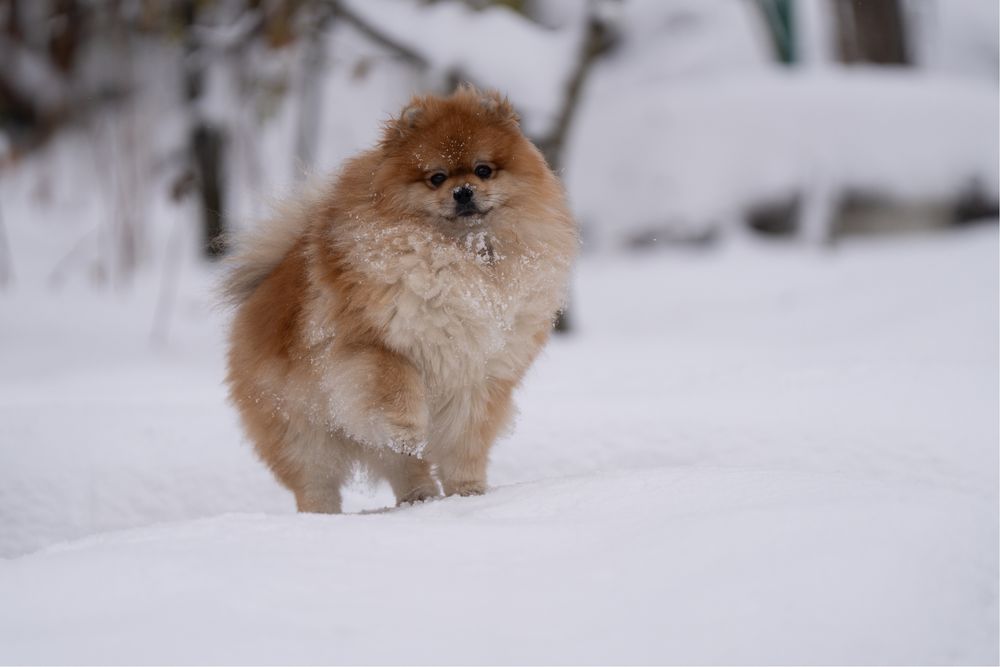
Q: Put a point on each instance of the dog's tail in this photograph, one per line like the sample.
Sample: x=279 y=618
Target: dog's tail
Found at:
x=256 y=252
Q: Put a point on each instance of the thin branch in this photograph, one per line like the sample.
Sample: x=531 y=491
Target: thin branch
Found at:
x=226 y=38
x=159 y=330
x=62 y=267
x=598 y=39
x=371 y=32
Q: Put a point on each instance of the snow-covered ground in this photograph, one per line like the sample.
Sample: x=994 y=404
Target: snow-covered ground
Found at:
x=756 y=454
x=753 y=453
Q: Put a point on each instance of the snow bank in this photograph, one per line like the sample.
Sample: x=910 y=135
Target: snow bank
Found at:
x=956 y=38
x=754 y=455
x=676 y=566
x=693 y=154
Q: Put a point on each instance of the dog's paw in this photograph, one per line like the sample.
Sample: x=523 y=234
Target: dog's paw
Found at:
x=408 y=446
x=470 y=488
x=406 y=436
x=417 y=496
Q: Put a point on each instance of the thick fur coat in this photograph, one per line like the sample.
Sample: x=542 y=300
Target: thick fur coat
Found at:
x=384 y=320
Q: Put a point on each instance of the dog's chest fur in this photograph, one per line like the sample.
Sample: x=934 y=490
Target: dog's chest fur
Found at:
x=464 y=311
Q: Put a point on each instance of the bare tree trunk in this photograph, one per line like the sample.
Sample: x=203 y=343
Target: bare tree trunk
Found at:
x=32 y=89
x=872 y=31
x=208 y=149
x=65 y=36
x=13 y=25
x=127 y=163
x=310 y=91
x=599 y=38
x=206 y=142
x=777 y=15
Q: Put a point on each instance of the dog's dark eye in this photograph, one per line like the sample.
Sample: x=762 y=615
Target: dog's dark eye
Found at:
x=484 y=171
x=437 y=179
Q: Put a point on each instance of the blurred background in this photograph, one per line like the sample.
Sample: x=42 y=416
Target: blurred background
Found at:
x=127 y=123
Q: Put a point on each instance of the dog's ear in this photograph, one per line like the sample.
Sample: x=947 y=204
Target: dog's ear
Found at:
x=407 y=120
x=499 y=106
x=410 y=116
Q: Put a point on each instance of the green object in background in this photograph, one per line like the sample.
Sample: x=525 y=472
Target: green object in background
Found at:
x=778 y=15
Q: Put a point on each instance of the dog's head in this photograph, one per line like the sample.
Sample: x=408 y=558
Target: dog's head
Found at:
x=457 y=160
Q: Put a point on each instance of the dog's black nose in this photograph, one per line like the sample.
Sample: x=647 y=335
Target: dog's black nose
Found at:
x=462 y=195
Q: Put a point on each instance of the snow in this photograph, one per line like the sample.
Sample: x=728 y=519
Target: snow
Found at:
x=750 y=455
x=956 y=38
x=620 y=568
x=730 y=142
x=684 y=38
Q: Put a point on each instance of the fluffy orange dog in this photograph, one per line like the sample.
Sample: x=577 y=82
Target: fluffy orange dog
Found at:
x=384 y=321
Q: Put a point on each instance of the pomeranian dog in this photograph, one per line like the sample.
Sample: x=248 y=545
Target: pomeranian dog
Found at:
x=384 y=320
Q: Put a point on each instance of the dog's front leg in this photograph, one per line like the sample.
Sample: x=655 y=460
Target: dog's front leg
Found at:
x=464 y=454
x=378 y=398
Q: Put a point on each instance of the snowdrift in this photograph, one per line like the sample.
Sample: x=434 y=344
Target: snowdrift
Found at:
x=756 y=455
